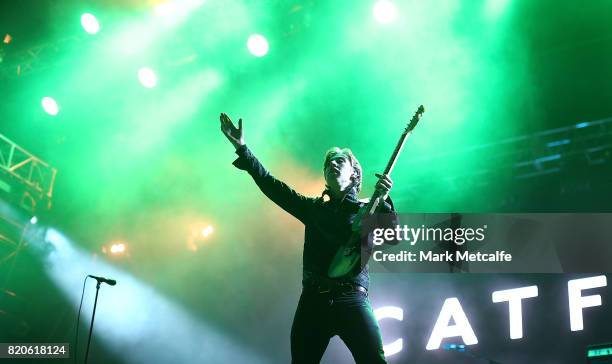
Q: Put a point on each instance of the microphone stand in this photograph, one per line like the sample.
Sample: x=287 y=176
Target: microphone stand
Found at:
x=93 y=316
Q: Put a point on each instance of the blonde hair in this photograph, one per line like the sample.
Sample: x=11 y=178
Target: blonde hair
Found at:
x=335 y=151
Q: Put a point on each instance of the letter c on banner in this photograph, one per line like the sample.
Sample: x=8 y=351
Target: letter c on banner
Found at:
x=394 y=313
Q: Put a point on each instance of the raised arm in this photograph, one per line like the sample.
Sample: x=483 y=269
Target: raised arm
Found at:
x=284 y=196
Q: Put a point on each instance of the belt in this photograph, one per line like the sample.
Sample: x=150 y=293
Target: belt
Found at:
x=336 y=287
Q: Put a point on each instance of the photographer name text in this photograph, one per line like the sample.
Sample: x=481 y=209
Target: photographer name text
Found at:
x=429 y=256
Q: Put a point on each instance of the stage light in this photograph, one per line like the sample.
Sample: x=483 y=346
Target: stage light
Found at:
x=90 y=23
x=118 y=248
x=33 y=220
x=50 y=105
x=7 y=38
x=147 y=77
x=173 y=12
x=207 y=231
x=384 y=11
x=165 y=8
x=258 y=45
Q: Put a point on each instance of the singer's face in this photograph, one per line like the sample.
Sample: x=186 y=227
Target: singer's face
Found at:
x=338 y=171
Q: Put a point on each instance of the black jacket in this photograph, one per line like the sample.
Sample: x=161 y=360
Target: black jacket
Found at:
x=327 y=223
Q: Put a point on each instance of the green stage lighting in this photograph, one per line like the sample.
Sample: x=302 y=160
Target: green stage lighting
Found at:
x=258 y=45
x=384 y=12
x=147 y=77
x=50 y=106
x=90 y=23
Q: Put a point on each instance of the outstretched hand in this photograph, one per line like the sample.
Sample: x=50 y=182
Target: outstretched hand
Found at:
x=233 y=134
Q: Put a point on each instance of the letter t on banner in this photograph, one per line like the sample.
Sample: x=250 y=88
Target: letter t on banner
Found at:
x=514 y=298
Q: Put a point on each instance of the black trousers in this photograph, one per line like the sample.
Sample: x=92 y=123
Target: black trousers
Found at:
x=320 y=316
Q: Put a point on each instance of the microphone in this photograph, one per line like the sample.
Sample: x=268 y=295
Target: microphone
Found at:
x=110 y=282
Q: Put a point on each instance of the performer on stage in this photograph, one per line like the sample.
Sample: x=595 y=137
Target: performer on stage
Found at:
x=327 y=307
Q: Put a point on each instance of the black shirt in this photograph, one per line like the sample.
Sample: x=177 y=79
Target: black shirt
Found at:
x=327 y=223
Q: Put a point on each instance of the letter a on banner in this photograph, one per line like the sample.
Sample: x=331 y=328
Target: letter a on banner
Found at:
x=451 y=310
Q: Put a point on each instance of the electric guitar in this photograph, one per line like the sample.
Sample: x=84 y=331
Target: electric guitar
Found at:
x=348 y=260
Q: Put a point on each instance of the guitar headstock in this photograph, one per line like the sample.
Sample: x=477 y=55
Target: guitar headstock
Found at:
x=415 y=119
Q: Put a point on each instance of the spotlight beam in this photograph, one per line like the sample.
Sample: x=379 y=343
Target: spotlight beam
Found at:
x=134 y=320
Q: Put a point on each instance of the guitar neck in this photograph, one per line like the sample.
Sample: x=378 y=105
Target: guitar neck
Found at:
x=396 y=152
x=375 y=199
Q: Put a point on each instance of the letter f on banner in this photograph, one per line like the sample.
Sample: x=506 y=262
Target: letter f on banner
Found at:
x=577 y=301
x=451 y=310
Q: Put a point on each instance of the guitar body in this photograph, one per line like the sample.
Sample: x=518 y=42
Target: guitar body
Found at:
x=352 y=256
x=346 y=260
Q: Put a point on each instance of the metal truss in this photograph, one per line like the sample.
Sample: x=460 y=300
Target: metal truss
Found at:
x=26 y=188
x=582 y=145
x=23 y=168
x=35 y=58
